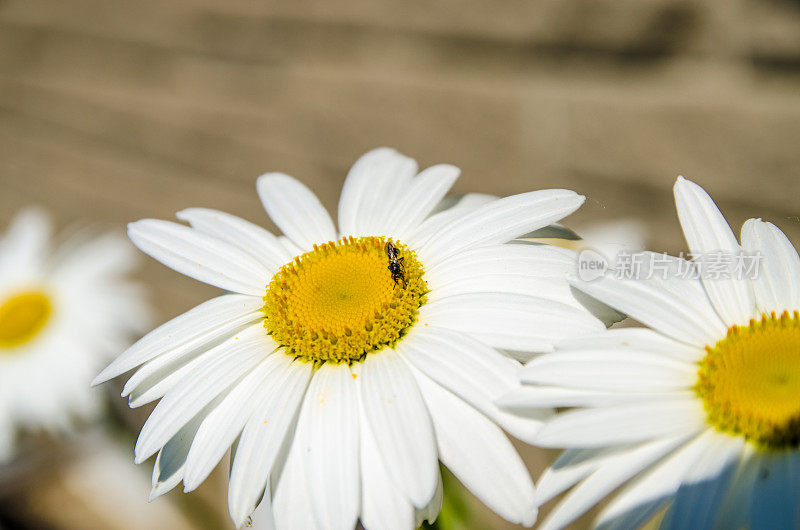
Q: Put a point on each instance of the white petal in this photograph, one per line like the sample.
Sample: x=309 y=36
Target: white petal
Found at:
x=537 y=261
x=480 y=455
x=225 y=422
x=380 y=201
x=371 y=190
x=706 y=231
x=171 y=460
x=440 y=218
x=383 y=504
x=777 y=284
x=153 y=380
x=608 y=477
x=263 y=517
x=291 y=504
x=704 y=488
x=735 y=512
x=510 y=321
x=499 y=221
x=539 y=288
x=247 y=236
x=200 y=325
x=418 y=200
x=634 y=339
x=624 y=423
x=775 y=491
x=572 y=466
x=331 y=449
x=236 y=357
x=643 y=496
x=605 y=313
x=399 y=421
x=94 y=259
x=290 y=247
x=610 y=370
x=263 y=436
x=156 y=377
x=296 y=210
x=658 y=308
x=431 y=512
x=669 y=273
x=200 y=256
x=553 y=231
x=527 y=400
x=24 y=245
x=475 y=372
x=538 y=271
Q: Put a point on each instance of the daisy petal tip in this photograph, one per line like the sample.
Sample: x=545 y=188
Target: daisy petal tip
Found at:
x=132 y=227
x=530 y=517
x=380 y=150
x=154 y=494
x=100 y=379
x=185 y=214
x=272 y=177
x=241 y=521
x=543 y=438
x=682 y=183
x=139 y=455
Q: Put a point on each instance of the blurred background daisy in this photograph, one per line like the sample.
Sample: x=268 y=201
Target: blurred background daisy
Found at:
x=104 y=102
x=63 y=314
x=65 y=310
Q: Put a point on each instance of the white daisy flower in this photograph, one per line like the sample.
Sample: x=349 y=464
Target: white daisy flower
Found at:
x=701 y=412
x=62 y=317
x=346 y=368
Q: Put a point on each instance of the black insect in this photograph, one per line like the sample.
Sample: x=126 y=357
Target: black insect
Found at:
x=396 y=265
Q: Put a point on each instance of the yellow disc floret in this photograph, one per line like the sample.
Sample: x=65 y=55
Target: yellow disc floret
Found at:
x=341 y=301
x=750 y=382
x=22 y=317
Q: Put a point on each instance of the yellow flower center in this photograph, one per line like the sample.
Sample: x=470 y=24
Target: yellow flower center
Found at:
x=341 y=300
x=750 y=382
x=22 y=317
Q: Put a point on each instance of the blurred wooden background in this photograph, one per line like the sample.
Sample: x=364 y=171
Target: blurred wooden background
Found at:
x=114 y=111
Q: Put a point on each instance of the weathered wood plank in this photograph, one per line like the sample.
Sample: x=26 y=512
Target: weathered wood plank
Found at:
x=238 y=26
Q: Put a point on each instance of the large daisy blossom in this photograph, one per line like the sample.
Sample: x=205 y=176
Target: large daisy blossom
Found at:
x=700 y=413
x=63 y=315
x=340 y=382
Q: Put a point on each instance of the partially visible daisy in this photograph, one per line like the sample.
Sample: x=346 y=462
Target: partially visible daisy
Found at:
x=348 y=362
x=63 y=315
x=701 y=412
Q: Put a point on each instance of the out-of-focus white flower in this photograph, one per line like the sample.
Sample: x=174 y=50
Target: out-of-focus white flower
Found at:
x=349 y=362
x=608 y=238
x=700 y=412
x=63 y=314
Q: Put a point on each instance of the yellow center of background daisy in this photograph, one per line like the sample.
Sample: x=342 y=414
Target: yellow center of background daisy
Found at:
x=750 y=382
x=22 y=317
x=339 y=302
